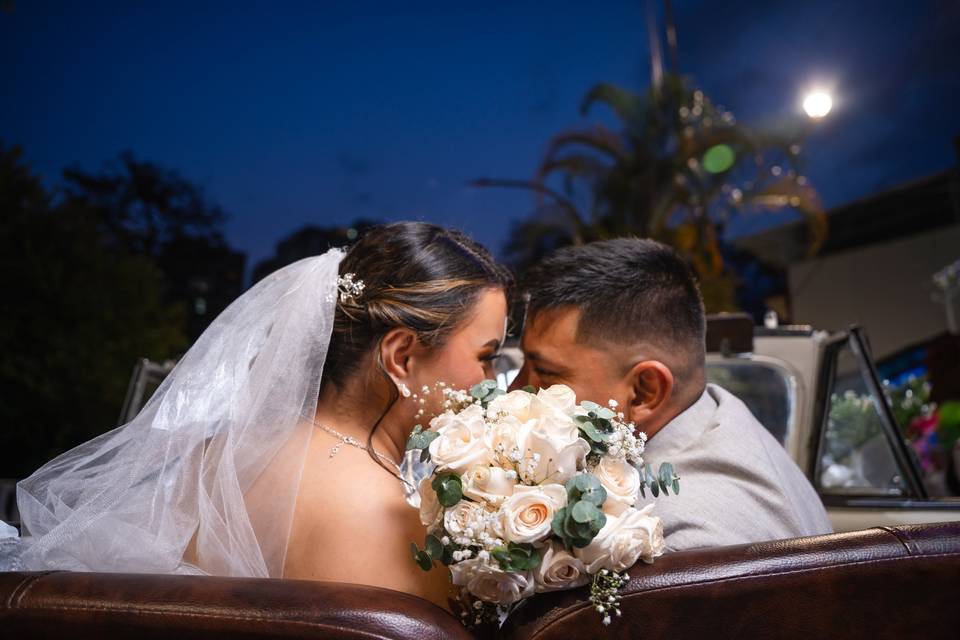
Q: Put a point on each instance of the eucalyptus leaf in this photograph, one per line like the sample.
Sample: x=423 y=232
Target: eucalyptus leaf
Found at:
x=556 y=525
x=584 y=511
x=652 y=481
x=591 y=432
x=433 y=547
x=449 y=489
x=421 y=439
x=424 y=561
x=529 y=388
x=598 y=523
x=589 y=406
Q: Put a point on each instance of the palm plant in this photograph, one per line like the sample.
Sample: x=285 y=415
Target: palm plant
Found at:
x=676 y=170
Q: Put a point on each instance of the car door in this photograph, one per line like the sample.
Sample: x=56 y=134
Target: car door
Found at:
x=864 y=470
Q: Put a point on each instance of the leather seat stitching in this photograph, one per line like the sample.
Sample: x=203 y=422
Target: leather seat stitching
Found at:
x=16 y=596
x=892 y=531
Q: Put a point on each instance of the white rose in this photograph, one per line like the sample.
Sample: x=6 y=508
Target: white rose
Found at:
x=552 y=449
x=515 y=403
x=527 y=514
x=429 y=504
x=503 y=436
x=487 y=484
x=460 y=516
x=445 y=419
x=546 y=410
x=461 y=444
x=622 y=482
x=559 y=569
x=634 y=535
x=560 y=396
x=490 y=584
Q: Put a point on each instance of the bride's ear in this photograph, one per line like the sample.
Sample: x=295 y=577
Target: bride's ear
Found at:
x=396 y=353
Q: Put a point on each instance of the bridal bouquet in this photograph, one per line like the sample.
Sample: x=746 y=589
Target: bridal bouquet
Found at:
x=533 y=492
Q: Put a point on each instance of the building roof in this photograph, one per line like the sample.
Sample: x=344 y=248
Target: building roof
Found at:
x=915 y=207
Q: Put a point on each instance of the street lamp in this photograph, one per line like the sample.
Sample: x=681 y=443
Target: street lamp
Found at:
x=817 y=104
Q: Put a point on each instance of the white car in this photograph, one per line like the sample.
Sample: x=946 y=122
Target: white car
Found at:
x=818 y=393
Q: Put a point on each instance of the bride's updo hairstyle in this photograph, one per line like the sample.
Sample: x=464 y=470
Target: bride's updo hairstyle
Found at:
x=416 y=275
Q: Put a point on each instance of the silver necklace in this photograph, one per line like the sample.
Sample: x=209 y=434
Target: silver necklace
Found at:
x=353 y=442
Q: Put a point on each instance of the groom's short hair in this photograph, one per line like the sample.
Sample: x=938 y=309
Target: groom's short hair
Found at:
x=628 y=291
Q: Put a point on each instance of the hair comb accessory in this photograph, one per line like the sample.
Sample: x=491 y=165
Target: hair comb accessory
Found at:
x=350 y=288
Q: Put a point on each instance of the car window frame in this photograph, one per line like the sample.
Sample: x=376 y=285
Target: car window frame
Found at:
x=855 y=339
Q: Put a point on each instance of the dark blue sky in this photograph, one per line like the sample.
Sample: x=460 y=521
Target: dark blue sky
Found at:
x=317 y=112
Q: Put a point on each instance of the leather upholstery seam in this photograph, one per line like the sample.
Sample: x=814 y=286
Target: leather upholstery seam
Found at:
x=187 y=614
x=17 y=595
x=905 y=542
x=583 y=606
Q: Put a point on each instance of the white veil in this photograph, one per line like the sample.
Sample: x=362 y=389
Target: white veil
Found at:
x=232 y=420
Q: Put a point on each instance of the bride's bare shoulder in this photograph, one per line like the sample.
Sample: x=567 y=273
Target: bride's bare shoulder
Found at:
x=353 y=524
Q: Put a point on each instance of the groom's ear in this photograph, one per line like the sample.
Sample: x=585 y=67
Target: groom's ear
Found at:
x=396 y=350
x=651 y=384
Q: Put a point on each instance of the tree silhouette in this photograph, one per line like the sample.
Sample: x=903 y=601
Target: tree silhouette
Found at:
x=80 y=311
x=151 y=211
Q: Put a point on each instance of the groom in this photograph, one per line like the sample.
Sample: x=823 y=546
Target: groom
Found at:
x=623 y=319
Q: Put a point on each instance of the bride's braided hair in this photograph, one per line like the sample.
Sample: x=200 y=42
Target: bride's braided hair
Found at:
x=416 y=275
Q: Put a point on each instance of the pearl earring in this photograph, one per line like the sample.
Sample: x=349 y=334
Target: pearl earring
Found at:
x=404 y=390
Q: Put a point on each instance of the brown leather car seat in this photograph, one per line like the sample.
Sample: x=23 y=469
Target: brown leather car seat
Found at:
x=879 y=583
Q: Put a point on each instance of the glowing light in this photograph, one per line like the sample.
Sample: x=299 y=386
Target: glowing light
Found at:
x=718 y=158
x=817 y=104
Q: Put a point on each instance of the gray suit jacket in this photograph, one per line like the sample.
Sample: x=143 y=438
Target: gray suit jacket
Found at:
x=737 y=483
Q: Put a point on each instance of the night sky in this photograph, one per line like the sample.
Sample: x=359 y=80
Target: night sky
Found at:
x=319 y=113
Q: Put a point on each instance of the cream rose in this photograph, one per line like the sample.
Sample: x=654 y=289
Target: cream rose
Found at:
x=559 y=569
x=490 y=584
x=460 y=444
x=527 y=514
x=429 y=505
x=622 y=482
x=634 y=535
x=552 y=449
x=487 y=484
x=559 y=396
x=515 y=403
x=462 y=515
x=503 y=436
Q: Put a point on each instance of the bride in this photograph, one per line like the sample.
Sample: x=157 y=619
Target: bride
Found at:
x=272 y=449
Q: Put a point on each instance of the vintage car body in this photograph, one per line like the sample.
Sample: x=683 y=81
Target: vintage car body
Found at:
x=800 y=384
x=788 y=377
